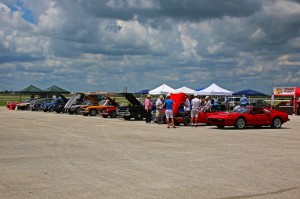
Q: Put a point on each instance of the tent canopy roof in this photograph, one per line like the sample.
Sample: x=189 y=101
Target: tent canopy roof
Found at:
x=55 y=89
x=249 y=92
x=185 y=90
x=214 y=89
x=161 y=90
x=31 y=89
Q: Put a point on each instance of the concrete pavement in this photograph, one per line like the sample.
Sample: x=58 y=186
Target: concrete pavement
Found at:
x=50 y=155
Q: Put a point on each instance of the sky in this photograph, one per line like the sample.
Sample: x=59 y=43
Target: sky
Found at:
x=114 y=45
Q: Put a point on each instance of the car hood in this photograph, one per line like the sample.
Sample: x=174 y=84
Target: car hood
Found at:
x=130 y=97
x=178 y=99
x=113 y=102
x=72 y=100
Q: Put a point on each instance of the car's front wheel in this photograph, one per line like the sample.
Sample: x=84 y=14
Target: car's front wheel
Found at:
x=276 y=123
x=240 y=123
x=93 y=112
x=113 y=114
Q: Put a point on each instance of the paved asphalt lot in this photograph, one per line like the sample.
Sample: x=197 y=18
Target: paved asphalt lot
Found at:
x=50 y=155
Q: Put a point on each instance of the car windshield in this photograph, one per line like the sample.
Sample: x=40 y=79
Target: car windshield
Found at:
x=241 y=109
x=102 y=102
x=86 y=102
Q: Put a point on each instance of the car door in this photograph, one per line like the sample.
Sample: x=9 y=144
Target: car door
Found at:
x=262 y=117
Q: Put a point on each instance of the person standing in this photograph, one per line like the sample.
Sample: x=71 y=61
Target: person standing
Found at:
x=244 y=101
x=148 y=109
x=159 y=109
x=195 y=110
x=207 y=105
x=187 y=104
x=169 y=111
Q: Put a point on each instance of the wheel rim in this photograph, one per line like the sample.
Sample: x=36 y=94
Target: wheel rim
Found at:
x=277 y=123
x=93 y=113
x=240 y=123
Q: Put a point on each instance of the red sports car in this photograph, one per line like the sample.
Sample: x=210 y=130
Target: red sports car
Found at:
x=249 y=116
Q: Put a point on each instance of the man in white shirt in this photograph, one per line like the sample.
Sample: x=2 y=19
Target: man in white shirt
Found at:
x=195 y=110
x=159 y=109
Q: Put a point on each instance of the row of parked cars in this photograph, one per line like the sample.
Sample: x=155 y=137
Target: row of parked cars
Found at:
x=92 y=105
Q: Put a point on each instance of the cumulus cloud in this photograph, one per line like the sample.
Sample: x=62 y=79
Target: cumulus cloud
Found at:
x=140 y=44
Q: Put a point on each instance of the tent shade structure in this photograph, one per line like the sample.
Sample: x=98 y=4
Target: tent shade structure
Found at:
x=214 y=89
x=55 y=89
x=143 y=92
x=31 y=89
x=249 y=92
x=162 y=90
x=185 y=90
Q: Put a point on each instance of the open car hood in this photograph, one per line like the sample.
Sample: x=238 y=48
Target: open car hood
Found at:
x=113 y=102
x=72 y=100
x=178 y=99
x=92 y=100
x=130 y=97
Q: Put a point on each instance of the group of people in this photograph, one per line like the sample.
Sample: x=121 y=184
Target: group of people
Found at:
x=160 y=104
x=194 y=105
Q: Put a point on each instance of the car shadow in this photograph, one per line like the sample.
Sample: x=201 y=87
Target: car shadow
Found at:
x=226 y=128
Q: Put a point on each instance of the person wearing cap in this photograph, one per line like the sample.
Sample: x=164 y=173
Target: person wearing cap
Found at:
x=159 y=109
x=244 y=101
x=207 y=105
x=195 y=110
x=169 y=111
x=148 y=108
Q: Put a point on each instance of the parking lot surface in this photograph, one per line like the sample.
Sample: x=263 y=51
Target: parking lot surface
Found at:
x=50 y=155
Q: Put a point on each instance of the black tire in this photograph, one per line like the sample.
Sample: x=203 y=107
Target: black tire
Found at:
x=220 y=126
x=113 y=114
x=77 y=111
x=187 y=121
x=276 y=123
x=93 y=112
x=127 y=117
x=138 y=117
x=240 y=123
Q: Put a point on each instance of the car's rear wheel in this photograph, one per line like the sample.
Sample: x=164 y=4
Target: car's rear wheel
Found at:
x=93 y=112
x=220 y=126
x=276 y=123
x=240 y=123
x=187 y=121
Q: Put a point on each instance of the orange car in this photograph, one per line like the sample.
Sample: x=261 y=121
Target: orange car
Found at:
x=93 y=110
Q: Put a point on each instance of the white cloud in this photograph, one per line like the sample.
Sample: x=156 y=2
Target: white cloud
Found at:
x=90 y=44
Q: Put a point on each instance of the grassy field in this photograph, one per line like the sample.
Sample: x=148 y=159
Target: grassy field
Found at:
x=4 y=98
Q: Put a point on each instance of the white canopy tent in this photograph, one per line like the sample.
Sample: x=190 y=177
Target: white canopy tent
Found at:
x=185 y=90
x=213 y=89
x=162 y=90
